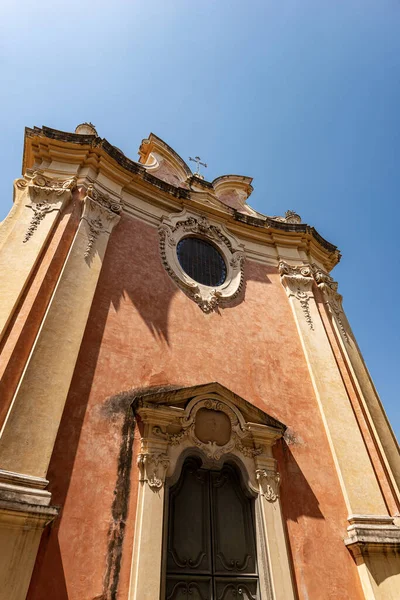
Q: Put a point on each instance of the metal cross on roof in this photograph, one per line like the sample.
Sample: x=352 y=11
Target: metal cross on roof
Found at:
x=197 y=160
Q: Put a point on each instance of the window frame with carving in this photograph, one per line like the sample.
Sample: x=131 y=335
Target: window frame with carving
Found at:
x=173 y=229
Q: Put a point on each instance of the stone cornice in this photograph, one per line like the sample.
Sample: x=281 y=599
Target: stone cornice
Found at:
x=372 y=533
x=44 y=145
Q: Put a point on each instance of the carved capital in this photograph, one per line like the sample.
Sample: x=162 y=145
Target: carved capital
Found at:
x=332 y=299
x=298 y=282
x=153 y=468
x=45 y=195
x=173 y=229
x=102 y=213
x=269 y=482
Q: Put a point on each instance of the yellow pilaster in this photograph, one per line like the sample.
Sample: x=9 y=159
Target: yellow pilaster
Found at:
x=30 y=429
x=360 y=488
x=371 y=528
x=38 y=201
x=377 y=419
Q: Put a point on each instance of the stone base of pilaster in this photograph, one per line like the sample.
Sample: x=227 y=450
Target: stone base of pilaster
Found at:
x=24 y=513
x=374 y=542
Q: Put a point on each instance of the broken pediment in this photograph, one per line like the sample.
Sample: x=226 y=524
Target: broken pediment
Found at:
x=233 y=191
x=163 y=162
x=181 y=397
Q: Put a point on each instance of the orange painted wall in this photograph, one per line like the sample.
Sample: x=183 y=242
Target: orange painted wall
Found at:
x=143 y=331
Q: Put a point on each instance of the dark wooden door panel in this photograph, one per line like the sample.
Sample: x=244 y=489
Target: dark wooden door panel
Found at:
x=237 y=589
x=189 y=544
x=189 y=588
x=211 y=541
x=233 y=530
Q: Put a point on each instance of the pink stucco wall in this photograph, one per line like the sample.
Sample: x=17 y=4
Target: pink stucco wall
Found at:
x=143 y=331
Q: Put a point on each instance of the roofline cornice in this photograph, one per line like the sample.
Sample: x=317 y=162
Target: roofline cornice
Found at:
x=51 y=144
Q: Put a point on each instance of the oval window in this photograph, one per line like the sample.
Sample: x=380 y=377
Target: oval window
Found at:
x=201 y=261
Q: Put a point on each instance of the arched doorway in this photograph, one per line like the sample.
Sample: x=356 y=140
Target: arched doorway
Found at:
x=211 y=546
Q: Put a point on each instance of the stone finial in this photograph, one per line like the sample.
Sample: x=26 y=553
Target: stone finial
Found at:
x=86 y=129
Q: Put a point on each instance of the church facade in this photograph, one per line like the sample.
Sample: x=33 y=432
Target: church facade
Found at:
x=184 y=409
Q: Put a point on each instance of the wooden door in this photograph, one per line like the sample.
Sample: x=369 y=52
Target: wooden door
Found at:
x=211 y=542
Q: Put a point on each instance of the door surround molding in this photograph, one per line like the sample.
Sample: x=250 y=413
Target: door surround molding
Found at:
x=171 y=425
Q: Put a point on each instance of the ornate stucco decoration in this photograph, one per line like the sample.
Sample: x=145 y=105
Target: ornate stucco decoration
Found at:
x=175 y=228
x=332 y=298
x=45 y=195
x=215 y=427
x=212 y=424
x=269 y=482
x=290 y=217
x=101 y=214
x=298 y=282
x=153 y=467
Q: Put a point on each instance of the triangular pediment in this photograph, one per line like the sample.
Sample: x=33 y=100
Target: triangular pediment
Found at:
x=181 y=396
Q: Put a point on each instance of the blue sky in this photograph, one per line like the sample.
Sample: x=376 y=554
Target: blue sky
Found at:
x=302 y=95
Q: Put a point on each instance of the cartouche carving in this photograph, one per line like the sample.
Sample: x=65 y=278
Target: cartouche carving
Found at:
x=177 y=227
x=211 y=448
x=45 y=196
x=238 y=435
x=332 y=298
x=269 y=481
x=298 y=283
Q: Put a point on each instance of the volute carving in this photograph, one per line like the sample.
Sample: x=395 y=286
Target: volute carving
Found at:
x=298 y=282
x=153 y=468
x=269 y=482
x=101 y=214
x=332 y=298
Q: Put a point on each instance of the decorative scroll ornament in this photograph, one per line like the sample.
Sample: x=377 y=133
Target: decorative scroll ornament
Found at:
x=332 y=298
x=177 y=227
x=101 y=214
x=239 y=590
x=269 y=482
x=237 y=435
x=153 y=468
x=46 y=195
x=290 y=217
x=298 y=282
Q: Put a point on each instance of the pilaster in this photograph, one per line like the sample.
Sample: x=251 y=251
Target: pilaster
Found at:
x=31 y=425
x=21 y=526
x=38 y=201
x=373 y=537
x=374 y=542
x=153 y=462
x=269 y=506
x=357 y=478
x=369 y=399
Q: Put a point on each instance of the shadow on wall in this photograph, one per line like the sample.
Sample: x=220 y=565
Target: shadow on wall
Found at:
x=44 y=583
x=297 y=498
x=383 y=566
x=141 y=277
